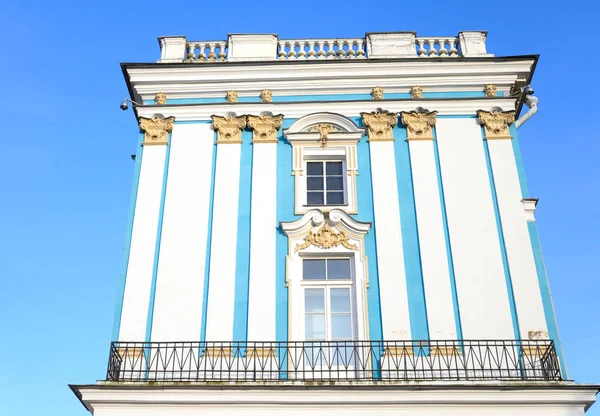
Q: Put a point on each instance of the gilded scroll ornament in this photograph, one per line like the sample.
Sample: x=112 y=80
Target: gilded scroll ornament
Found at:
x=326 y=238
x=231 y=96
x=419 y=125
x=264 y=128
x=377 y=93
x=266 y=96
x=495 y=123
x=160 y=98
x=416 y=92
x=156 y=130
x=324 y=130
x=380 y=124
x=229 y=128
x=490 y=90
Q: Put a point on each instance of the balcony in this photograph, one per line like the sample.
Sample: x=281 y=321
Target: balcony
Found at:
x=343 y=361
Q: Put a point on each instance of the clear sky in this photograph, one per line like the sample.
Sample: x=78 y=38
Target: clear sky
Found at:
x=66 y=172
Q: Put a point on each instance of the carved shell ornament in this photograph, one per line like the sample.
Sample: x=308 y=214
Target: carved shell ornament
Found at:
x=326 y=238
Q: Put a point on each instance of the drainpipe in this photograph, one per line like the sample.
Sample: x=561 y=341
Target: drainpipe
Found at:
x=531 y=102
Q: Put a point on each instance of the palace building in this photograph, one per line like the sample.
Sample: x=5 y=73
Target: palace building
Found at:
x=333 y=227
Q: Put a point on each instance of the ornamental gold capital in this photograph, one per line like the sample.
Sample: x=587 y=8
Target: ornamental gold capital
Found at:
x=229 y=128
x=495 y=123
x=264 y=128
x=380 y=124
x=419 y=124
x=156 y=130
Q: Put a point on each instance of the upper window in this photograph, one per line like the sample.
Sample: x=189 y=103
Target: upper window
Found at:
x=324 y=183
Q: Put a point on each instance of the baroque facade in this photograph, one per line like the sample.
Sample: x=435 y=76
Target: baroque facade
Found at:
x=333 y=226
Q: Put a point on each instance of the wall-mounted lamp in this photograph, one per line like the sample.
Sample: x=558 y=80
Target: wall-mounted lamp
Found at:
x=125 y=106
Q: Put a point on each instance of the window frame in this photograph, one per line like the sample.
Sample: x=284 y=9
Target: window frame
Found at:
x=325 y=190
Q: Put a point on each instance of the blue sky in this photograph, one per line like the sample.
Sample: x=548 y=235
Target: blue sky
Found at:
x=65 y=167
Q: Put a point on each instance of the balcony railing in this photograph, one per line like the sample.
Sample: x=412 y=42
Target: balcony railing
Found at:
x=321 y=361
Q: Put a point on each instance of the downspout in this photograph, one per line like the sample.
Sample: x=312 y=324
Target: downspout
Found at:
x=531 y=102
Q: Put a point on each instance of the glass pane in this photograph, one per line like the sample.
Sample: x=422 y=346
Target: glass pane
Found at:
x=334 y=168
x=314 y=168
x=313 y=269
x=340 y=300
x=335 y=198
x=341 y=326
x=315 y=198
x=314 y=301
x=315 y=326
x=335 y=183
x=338 y=269
x=315 y=184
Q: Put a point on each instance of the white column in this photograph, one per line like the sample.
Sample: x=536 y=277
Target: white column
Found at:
x=390 y=256
x=526 y=288
x=221 y=291
x=179 y=294
x=480 y=281
x=432 y=241
x=261 y=301
x=136 y=299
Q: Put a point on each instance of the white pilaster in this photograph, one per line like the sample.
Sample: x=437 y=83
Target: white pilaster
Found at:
x=136 y=299
x=221 y=292
x=480 y=281
x=526 y=288
x=180 y=280
x=262 y=297
x=390 y=256
x=434 y=259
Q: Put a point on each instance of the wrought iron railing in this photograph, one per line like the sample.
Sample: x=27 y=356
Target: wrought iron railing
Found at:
x=333 y=361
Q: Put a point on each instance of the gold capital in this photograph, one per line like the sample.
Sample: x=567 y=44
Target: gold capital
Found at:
x=229 y=128
x=495 y=123
x=380 y=124
x=264 y=128
x=419 y=125
x=156 y=130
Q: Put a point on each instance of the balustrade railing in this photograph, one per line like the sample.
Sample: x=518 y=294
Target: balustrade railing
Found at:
x=529 y=360
x=321 y=49
x=207 y=51
x=437 y=47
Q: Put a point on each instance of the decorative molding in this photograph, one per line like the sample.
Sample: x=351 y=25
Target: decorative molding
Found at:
x=538 y=334
x=419 y=124
x=337 y=120
x=160 y=98
x=495 y=123
x=266 y=96
x=490 y=90
x=380 y=124
x=231 y=96
x=529 y=205
x=377 y=93
x=264 y=128
x=229 y=128
x=326 y=238
x=324 y=129
x=156 y=130
x=416 y=92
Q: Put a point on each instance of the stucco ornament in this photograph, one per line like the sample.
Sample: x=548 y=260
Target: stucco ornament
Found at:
x=324 y=130
x=229 y=128
x=380 y=124
x=160 y=98
x=264 y=128
x=266 y=96
x=490 y=90
x=326 y=238
x=377 y=93
x=495 y=123
x=419 y=124
x=231 y=96
x=416 y=92
x=156 y=130
x=538 y=335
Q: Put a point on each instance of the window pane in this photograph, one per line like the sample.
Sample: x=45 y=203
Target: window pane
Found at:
x=315 y=198
x=335 y=198
x=315 y=184
x=334 y=168
x=335 y=183
x=314 y=168
x=340 y=300
x=313 y=269
x=338 y=269
x=315 y=326
x=341 y=326
x=314 y=301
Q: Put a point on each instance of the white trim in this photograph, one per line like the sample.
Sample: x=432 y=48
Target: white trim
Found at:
x=324 y=117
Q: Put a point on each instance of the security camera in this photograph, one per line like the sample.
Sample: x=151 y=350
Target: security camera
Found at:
x=124 y=105
x=527 y=90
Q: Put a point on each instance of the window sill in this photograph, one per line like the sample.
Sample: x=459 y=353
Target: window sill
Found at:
x=324 y=205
